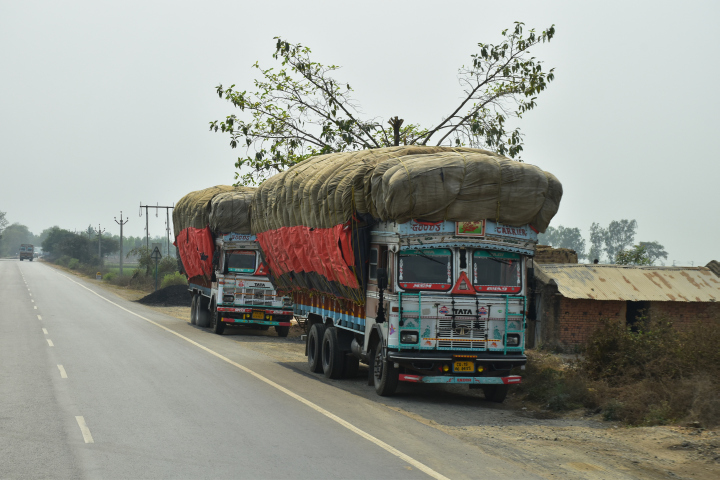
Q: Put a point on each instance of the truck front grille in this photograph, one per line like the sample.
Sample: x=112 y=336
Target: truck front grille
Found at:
x=468 y=333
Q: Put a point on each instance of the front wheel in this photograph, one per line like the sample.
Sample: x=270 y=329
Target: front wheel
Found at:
x=495 y=393
x=282 y=331
x=217 y=325
x=385 y=375
x=193 y=310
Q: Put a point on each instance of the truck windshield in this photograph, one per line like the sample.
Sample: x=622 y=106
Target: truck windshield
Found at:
x=496 y=271
x=425 y=269
x=241 y=261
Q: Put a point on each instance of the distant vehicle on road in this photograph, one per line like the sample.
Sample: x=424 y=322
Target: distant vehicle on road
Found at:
x=27 y=251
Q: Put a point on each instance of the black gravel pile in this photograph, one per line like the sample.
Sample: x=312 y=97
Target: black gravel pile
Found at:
x=172 y=296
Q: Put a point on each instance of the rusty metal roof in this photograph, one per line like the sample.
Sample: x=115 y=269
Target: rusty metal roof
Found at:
x=627 y=282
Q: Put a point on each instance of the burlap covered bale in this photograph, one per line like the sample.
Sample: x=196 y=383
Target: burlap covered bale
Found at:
x=402 y=183
x=222 y=208
x=230 y=211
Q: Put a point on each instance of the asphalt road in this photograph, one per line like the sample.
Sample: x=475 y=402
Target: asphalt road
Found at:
x=94 y=386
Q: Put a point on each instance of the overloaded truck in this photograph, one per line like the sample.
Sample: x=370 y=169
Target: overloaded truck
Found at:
x=413 y=260
x=27 y=252
x=227 y=277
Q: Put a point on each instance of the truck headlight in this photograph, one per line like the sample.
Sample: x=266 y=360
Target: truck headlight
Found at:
x=287 y=302
x=228 y=298
x=513 y=340
x=409 y=337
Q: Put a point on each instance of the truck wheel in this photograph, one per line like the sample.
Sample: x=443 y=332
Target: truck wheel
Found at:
x=193 y=310
x=282 y=331
x=495 y=393
x=314 y=347
x=385 y=375
x=217 y=325
x=202 y=315
x=352 y=366
x=31 y=259
x=333 y=359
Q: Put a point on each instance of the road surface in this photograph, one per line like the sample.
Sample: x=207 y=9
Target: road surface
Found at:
x=94 y=386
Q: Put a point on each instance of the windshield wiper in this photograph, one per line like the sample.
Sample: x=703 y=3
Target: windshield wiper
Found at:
x=493 y=257
x=429 y=257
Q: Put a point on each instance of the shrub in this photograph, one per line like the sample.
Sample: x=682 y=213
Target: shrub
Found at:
x=63 y=261
x=73 y=263
x=175 y=278
x=555 y=385
x=109 y=277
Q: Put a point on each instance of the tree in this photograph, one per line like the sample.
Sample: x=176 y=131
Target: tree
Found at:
x=3 y=222
x=300 y=110
x=14 y=236
x=597 y=239
x=619 y=235
x=636 y=255
x=562 y=237
x=61 y=242
x=654 y=251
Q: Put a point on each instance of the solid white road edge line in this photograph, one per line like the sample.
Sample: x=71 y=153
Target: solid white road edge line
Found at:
x=388 y=448
x=84 y=429
x=63 y=374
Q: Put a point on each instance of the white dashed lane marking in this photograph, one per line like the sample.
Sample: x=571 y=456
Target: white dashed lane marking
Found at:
x=84 y=429
x=50 y=343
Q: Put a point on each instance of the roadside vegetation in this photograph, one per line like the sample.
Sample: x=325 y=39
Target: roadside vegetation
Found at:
x=656 y=375
x=139 y=276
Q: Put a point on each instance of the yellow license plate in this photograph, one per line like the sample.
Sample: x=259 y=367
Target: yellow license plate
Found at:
x=258 y=315
x=464 y=367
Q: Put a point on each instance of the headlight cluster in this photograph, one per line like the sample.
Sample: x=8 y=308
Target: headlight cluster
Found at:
x=228 y=298
x=409 y=337
x=513 y=340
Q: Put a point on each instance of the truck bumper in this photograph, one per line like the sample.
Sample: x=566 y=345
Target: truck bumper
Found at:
x=255 y=322
x=509 y=380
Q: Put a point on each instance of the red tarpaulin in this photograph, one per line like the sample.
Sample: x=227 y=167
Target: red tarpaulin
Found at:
x=196 y=249
x=325 y=251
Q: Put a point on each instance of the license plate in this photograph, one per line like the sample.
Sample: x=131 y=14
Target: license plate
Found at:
x=258 y=315
x=464 y=367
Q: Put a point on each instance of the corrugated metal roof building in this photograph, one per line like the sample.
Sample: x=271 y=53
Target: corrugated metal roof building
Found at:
x=571 y=299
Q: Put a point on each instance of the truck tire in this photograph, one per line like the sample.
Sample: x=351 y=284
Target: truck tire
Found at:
x=282 y=331
x=333 y=358
x=314 y=347
x=495 y=393
x=202 y=315
x=352 y=366
x=31 y=259
x=193 y=310
x=217 y=325
x=385 y=375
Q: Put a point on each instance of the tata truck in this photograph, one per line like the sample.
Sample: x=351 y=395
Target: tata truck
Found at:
x=239 y=291
x=445 y=303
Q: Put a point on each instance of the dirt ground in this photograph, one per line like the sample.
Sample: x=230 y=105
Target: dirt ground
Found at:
x=577 y=444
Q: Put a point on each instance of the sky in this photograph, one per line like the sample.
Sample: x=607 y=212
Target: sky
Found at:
x=106 y=105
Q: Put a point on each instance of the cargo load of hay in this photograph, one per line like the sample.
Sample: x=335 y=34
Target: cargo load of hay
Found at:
x=313 y=220
x=201 y=216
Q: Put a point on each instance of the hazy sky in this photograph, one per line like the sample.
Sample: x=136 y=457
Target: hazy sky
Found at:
x=104 y=105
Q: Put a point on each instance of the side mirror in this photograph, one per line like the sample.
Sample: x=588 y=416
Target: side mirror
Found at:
x=382 y=278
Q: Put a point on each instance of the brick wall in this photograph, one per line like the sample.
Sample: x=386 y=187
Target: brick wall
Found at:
x=578 y=318
x=684 y=315
x=547 y=254
x=569 y=322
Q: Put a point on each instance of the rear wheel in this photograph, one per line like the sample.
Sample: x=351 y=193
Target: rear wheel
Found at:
x=314 y=344
x=333 y=358
x=282 y=331
x=495 y=393
x=202 y=316
x=385 y=375
x=217 y=325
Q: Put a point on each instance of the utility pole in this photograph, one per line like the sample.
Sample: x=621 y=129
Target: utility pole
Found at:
x=121 y=223
x=147 y=231
x=99 y=235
